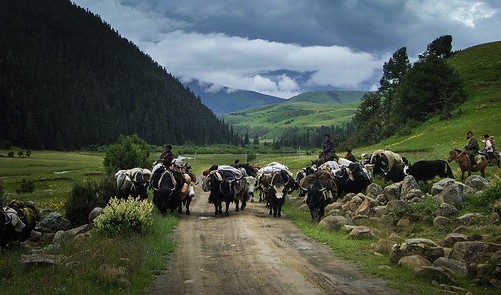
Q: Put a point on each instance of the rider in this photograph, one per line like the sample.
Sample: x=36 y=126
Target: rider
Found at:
x=167 y=156
x=328 y=153
x=350 y=156
x=471 y=148
x=488 y=148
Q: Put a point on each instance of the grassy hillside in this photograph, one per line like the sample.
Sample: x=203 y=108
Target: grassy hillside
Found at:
x=308 y=110
x=329 y=96
x=480 y=68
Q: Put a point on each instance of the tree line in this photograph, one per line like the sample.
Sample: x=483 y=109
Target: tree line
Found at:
x=68 y=80
x=409 y=94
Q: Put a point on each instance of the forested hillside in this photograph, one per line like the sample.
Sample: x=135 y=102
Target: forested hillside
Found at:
x=68 y=80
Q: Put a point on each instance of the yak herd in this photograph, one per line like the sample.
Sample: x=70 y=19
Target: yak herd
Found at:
x=320 y=184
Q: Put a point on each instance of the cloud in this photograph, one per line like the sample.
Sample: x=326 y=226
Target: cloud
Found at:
x=325 y=43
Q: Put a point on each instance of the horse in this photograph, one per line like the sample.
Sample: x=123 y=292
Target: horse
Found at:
x=465 y=164
x=221 y=188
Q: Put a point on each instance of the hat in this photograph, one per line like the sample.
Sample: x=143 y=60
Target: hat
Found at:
x=168 y=146
x=469 y=131
x=486 y=135
x=327 y=134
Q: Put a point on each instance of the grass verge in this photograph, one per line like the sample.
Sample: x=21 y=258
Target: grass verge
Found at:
x=142 y=256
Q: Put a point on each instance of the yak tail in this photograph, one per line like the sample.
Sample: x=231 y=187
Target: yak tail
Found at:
x=449 y=170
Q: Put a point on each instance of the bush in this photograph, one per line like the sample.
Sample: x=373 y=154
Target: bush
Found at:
x=129 y=152
x=26 y=187
x=86 y=196
x=483 y=203
x=125 y=216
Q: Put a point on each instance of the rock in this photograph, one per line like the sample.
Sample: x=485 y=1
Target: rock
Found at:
x=441 y=221
x=384 y=246
x=396 y=206
x=474 y=252
x=494 y=218
x=413 y=262
x=477 y=182
x=374 y=190
x=460 y=229
x=453 y=238
x=439 y=274
x=62 y=236
x=381 y=199
x=458 y=268
x=468 y=218
x=408 y=184
x=42 y=260
x=35 y=236
x=439 y=186
x=361 y=232
x=403 y=222
x=94 y=213
x=389 y=218
x=113 y=274
x=334 y=207
x=424 y=247
x=55 y=222
x=392 y=192
x=483 y=271
x=496 y=283
x=333 y=222
x=413 y=195
x=364 y=207
x=446 y=210
x=378 y=211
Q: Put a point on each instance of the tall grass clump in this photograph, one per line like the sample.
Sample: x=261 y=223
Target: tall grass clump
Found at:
x=483 y=202
x=125 y=216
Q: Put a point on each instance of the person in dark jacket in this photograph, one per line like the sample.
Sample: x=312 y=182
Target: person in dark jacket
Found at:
x=167 y=156
x=471 y=148
x=328 y=153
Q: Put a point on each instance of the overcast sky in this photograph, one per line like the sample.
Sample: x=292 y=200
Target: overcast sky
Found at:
x=282 y=48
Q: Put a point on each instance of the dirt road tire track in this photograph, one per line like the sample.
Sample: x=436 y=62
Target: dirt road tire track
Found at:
x=250 y=252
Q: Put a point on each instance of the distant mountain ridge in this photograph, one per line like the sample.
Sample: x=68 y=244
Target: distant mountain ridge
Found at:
x=307 y=111
x=228 y=100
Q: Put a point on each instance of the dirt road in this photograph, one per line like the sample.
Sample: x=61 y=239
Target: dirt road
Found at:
x=252 y=253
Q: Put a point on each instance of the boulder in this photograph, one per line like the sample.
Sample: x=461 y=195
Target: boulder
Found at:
x=361 y=232
x=364 y=208
x=453 y=238
x=458 y=268
x=413 y=195
x=113 y=274
x=477 y=182
x=62 y=236
x=333 y=222
x=396 y=206
x=439 y=186
x=497 y=206
x=424 y=247
x=409 y=183
x=374 y=190
x=468 y=218
x=94 y=213
x=439 y=274
x=413 y=262
x=385 y=245
x=441 y=221
x=451 y=195
x=494 y=218
x=381 y=199
x=392 y=191
x=55 y=222
x=474 y=251
x=446 y=210
x=42 y=260
x=403 y=222
x=388 y=218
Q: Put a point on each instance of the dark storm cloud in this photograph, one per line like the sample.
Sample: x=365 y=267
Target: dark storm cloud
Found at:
x=340 y=44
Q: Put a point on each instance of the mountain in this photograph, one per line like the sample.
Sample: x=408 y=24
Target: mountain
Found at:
x=228 y=100
x=302 y=113
x=69 y=80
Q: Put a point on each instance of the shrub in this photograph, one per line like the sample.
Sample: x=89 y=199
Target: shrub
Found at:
x=427 y=207
x=10 y=154
x=483 y=203
x=26 y=187
x=125 y=216
x=86 y=196
x=130 y=151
